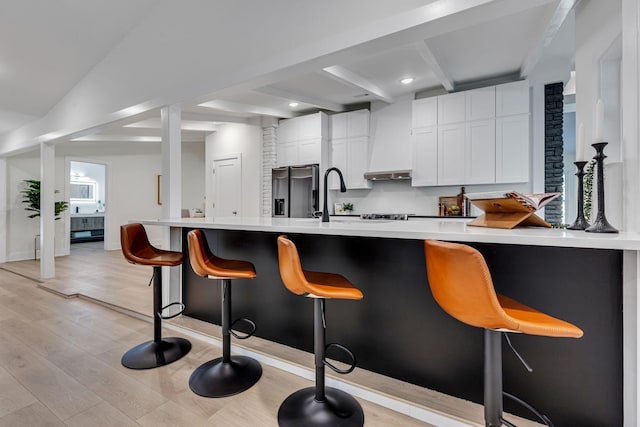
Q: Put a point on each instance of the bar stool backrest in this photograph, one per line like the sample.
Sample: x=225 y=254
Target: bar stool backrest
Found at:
x=461 y=284
x=199 y=252
x=290 y=267
x=135 y=244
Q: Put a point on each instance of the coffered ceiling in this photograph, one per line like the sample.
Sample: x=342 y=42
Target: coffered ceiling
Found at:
x=506 y=47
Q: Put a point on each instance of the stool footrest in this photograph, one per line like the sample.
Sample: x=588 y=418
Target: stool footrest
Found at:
x=335 y=368
x=163 y=317
x=248 y=334
x=533 y=410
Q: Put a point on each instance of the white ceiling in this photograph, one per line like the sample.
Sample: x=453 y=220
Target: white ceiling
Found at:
x=44 y=54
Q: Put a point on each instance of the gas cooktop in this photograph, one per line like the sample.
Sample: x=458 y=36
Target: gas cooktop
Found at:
x=392 y=217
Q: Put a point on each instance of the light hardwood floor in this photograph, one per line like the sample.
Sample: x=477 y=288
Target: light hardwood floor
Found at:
x=60 y=359
x=60 y=365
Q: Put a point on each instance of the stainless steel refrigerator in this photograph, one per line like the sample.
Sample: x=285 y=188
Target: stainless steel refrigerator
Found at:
x=295 y=191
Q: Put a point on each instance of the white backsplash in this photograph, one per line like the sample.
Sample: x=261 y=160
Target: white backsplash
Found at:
x=400 y=197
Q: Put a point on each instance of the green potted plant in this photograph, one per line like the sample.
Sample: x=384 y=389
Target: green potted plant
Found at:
x=347 y=208
x=31 y=197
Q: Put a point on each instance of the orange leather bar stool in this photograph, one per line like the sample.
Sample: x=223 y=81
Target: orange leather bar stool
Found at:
x=461 y=284
x=226 y=375
x=318 y=406
x=137 y=250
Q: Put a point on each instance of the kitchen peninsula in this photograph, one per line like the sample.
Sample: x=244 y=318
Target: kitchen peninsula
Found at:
x=399 y=331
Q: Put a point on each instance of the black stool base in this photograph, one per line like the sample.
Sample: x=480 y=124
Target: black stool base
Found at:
x=151 y=354
x=218 y=379
x=339 y=409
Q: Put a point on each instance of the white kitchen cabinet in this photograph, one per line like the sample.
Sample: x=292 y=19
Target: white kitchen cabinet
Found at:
x=451 y=108
x=425 y=156
x=451 y=151
x=481 y=103
x=480 y=152
x=357 y=162
x=424 y=112
x=299 y=140
x=512 y=98
x=512 y=148
x=350 y=148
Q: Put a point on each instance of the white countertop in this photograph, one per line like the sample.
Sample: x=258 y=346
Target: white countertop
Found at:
x=84 y=215
x=441 y=229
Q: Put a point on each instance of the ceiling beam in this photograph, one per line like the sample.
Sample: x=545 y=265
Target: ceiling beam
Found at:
x=311 y=100
x=350 y=78
x=556 y=21
x=238 y=107
x=208 y=117
x=429 y=58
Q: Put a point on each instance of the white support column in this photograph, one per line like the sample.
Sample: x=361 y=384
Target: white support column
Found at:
x=47 y=213
x=630 y=106
x=3 y=209
x=172 y=194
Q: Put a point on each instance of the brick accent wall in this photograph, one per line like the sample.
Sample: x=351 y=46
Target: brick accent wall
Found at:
x=553 y=150
x=268 y=162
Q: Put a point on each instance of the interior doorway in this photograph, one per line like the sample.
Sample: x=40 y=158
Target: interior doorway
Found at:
x=88 y=200
x=227 y=186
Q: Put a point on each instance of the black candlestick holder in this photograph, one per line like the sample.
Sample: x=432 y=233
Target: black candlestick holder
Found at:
x=580 y=223
x=601 y=225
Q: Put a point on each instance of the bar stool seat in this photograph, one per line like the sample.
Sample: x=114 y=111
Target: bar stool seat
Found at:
x=226 y=375
x=159 y=352
x=461 y=284
x=318 y=406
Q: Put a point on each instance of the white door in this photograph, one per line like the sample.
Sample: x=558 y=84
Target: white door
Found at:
x=451 y=154
x=425 y=157
x=227 y=186
x=480 y=152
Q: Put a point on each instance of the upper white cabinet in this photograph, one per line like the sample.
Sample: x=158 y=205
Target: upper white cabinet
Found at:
x=512 y=148
x=424 y=162
x=350 y=148
x=512 y=98
x=480 y=152
x=479 y=136
x=481 y=103
x=451 y=108
x=300 y=140
x=424 y=112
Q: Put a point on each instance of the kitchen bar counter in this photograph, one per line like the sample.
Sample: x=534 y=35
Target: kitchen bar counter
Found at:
x=455 y=230
x=398 y=330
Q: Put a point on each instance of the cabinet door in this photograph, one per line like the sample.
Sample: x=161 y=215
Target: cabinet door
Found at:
x=338 y=126
x=287 y=154
x=480 y=152
x=512 y=98
x=512 y=149
x=338 y=160
x=481 y=103
x=286 y=131
x=425 y=157
x=358 y=123
x=77 y=224
x=451 y=154
x=357 y=162
x=308 y=127
x=424 y=112
x=309 y=151
x=451 y=108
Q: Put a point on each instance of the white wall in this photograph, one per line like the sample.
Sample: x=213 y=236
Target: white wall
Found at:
x=132 y=169
x=21 y=230
x=237 y=138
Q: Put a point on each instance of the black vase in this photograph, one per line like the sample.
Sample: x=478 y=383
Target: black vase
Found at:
x=580 y=223
x=601 y=225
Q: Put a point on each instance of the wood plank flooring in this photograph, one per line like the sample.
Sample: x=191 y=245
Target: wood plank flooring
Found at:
x=60 y=366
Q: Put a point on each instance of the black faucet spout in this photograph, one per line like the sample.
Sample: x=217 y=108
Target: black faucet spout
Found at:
x=343 y=188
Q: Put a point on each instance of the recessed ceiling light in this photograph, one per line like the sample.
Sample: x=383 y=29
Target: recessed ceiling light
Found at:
x=407 y=80
x=293 y=104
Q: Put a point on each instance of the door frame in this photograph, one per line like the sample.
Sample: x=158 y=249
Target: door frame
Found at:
x=67 y=220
